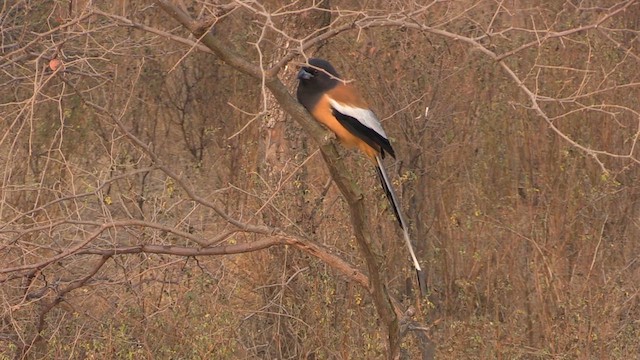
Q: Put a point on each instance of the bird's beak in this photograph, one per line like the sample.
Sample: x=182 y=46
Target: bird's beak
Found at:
x=304 y=75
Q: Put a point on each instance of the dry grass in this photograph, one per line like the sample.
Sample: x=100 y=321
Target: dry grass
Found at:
x=530 y=248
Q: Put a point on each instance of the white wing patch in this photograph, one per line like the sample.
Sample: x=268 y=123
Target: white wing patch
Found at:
x=364 y=116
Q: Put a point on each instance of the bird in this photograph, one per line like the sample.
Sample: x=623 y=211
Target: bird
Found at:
x=340 y=107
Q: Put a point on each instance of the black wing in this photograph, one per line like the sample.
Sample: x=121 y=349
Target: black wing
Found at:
x=365 y=133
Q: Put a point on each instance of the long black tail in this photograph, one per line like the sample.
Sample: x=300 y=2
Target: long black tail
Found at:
x=395 y=205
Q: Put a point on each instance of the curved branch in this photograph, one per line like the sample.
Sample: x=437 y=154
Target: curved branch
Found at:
x=47 y=306
x=317 y=250
x=309 y=247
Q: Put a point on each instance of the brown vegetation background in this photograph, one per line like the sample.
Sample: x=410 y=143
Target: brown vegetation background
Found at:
x=159 y=199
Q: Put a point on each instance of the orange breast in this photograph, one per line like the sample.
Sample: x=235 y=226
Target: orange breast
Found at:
x=324 y=114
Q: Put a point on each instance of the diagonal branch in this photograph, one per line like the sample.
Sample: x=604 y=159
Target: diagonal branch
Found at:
x=339 y=172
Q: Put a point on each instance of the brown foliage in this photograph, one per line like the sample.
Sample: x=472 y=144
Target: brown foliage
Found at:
x=161 y=197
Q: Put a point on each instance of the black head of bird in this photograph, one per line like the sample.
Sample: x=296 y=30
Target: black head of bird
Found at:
x=314 y=79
